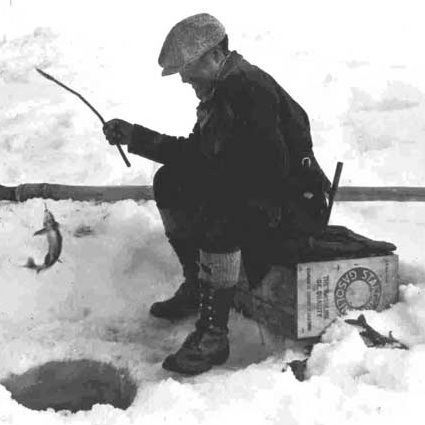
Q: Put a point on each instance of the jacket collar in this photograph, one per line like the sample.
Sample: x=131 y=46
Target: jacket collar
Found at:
x=229 y=64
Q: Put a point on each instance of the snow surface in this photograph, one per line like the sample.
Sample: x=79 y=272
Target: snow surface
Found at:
x=354 y=66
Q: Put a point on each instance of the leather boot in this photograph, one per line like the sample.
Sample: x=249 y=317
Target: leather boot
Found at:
x=208 y=344
x=185 y=301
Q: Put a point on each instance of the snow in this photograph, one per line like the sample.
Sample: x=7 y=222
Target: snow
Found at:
x=354 y=67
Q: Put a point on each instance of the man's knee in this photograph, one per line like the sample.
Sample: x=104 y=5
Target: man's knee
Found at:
x=164 y=187
x=172 y=195
x=175 y=187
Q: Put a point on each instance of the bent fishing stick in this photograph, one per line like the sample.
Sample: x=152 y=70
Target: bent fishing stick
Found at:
x=49 y=77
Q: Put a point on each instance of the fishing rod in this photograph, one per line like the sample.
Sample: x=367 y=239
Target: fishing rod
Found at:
x=49 y=77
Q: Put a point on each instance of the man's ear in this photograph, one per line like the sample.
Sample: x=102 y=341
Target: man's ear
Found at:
x=217 y=53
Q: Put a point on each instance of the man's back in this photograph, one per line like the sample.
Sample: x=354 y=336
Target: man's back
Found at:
x=293 y=120
x=277 y=129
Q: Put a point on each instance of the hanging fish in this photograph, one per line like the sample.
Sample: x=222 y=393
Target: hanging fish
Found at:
x=54 y=239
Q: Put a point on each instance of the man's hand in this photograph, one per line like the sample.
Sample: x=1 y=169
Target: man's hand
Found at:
x=118 y=132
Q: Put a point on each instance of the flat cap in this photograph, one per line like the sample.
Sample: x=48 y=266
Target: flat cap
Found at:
x=188 y=40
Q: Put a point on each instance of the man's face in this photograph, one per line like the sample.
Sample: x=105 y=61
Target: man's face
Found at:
x=200 y=74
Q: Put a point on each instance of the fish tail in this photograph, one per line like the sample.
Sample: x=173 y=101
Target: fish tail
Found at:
x=30 y=264
x=362 y=320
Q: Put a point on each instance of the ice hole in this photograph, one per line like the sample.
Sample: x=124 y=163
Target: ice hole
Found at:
x=72 y=385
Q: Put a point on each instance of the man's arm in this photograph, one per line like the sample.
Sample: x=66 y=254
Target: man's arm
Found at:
x=149 y=143
x=160 y=147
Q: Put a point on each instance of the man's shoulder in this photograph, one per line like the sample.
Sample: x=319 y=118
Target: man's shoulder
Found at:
x=244 y=79
x=242 y=71
x=255 y=79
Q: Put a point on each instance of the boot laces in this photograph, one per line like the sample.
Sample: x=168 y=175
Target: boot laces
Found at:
x=206 y=320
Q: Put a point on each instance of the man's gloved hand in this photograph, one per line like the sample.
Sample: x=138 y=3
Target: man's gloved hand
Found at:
x=118 y=132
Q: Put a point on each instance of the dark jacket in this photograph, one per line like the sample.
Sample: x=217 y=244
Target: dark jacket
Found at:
x=248 y=144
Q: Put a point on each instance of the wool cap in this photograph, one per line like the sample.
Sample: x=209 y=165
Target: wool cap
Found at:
x=188 y=40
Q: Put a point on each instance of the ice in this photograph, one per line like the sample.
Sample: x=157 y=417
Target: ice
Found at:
x=95 y=305
x=356 y=69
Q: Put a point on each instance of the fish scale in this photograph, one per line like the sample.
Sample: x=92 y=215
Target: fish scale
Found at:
x=54 y=240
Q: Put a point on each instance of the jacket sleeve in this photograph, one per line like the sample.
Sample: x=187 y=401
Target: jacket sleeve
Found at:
x=161 y=147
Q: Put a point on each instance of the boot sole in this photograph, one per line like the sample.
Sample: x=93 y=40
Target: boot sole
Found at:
x=170 y=364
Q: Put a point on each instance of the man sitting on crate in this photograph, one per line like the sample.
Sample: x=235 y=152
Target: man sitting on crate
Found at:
x=245 y=178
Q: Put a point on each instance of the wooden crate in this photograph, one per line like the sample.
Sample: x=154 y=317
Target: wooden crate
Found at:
x=301 y=301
